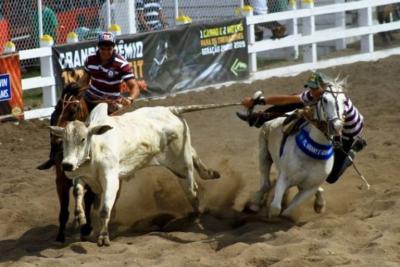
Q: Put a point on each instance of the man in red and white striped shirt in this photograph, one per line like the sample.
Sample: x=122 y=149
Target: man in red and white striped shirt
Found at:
x=105 y=71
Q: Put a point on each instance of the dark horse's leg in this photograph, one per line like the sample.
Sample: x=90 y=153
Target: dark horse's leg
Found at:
x=63 y=186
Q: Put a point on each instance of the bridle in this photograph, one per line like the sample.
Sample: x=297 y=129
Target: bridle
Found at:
x=320 y=105
x=66 y=102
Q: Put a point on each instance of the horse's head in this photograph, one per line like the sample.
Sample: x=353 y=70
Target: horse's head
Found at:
x=73 y=105
x=331 y=106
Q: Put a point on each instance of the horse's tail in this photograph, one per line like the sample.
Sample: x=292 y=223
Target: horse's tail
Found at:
x=185 y=109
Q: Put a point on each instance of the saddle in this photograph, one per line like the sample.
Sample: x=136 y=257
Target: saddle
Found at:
x=292 y=125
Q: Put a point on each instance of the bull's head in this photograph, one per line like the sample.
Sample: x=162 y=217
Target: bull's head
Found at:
x=76 y=137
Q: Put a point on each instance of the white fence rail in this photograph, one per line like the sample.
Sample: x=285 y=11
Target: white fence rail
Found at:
x=309 y=37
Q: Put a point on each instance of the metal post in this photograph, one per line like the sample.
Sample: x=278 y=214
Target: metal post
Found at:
x=176 y=9
x=40 y=18
x=309 y=51
x=126 y=18
x=108 y=12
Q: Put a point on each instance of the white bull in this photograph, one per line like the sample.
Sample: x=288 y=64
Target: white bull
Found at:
x=110 y=148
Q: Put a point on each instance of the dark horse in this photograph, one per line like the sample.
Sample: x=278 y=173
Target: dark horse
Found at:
x=70 y=107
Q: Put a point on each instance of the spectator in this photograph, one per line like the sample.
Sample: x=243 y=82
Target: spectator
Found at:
x=278 y=30
x=50 y=23
x=383 y=14
x=81 y=30
x=103 y=15
x=94 y=30
x=259 y=8
x=150 y=15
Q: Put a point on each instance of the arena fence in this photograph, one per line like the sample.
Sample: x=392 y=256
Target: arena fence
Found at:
x=304 y=36
x=352 y=21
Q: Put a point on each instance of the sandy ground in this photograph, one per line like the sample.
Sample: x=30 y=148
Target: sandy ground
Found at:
x=359 y=228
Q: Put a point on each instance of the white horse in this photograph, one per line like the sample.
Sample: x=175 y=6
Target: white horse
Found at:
x=306 y=159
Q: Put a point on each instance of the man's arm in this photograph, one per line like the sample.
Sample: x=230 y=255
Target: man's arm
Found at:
x=133 y=88
x=274 y=100
x=283 y=99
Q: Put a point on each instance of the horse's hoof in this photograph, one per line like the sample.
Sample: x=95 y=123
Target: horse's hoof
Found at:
x=82 y=220
x=196 y=206
x=251 y=208
x=86 y=229
x=274 y=212
x=215 y=174
x=319 y=208
x=254 y=207
x=60 y=238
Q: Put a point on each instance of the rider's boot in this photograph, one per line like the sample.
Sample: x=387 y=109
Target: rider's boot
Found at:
x=54 y=146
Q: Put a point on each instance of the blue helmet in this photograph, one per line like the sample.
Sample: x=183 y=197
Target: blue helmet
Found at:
x=106 y=38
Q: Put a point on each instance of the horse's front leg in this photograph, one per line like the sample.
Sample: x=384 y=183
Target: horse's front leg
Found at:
x=281 y=186
x=63 y=185
x=89 y=198
x=265 y=163
x=300 y=197
x=319 y=202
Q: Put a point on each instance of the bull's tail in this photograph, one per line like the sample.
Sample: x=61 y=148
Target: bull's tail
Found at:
x=185 y=109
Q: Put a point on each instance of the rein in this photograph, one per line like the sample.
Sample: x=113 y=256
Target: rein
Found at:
x=306 y=114
x=65 y=103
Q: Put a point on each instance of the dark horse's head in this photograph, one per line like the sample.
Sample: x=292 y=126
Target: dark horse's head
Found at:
x=71 y=105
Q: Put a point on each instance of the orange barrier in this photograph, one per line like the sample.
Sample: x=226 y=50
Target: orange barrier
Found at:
x=4 y=38
x=11 y=98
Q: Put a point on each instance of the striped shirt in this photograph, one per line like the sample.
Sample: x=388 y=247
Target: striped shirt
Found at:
x=106 y=80
x=354 y=121
x=151 y=10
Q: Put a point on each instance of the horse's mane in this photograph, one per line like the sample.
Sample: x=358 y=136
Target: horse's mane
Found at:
x=338 y=84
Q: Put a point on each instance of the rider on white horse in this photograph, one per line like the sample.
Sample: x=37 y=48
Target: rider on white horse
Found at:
x=353 y=126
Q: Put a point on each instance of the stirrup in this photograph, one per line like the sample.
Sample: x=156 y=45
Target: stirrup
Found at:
x=258 y=98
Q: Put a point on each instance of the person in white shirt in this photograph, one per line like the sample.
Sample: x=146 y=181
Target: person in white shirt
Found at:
x=103 y=15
